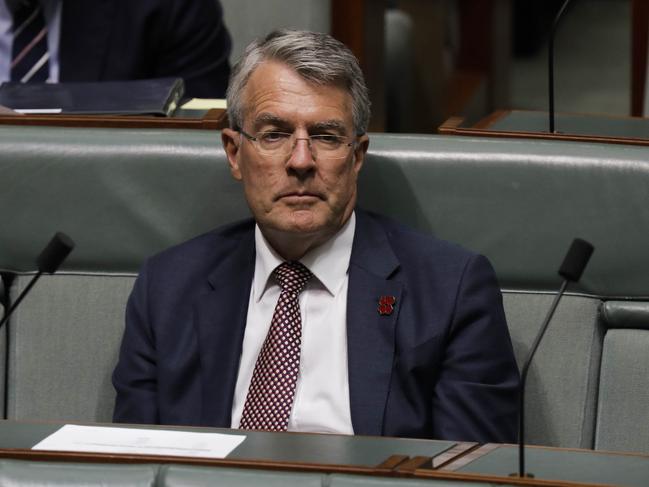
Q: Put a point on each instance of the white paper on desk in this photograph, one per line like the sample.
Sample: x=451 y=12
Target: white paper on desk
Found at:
x=139 y=441
x=205 y=104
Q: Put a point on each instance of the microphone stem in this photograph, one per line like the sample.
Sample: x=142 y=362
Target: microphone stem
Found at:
x=20 y=298
x=524 y=370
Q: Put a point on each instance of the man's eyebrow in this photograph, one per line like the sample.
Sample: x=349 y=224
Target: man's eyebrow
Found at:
x=333 y=125
x=270 y=119
x=283 y=124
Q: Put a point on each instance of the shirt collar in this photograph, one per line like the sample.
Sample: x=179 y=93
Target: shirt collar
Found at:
x=328 y=262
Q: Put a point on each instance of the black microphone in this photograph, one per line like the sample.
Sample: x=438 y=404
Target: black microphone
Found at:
x=48 y=261
x=571 y=270
x=557 y=19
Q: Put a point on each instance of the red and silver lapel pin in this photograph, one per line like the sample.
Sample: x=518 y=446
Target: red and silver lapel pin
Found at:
x=386 y=305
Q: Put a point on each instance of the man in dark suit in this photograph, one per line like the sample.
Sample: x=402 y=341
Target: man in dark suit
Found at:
x=314 y=316
x=112 y=40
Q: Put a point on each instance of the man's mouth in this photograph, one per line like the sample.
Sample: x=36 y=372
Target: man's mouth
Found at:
x=299 y=196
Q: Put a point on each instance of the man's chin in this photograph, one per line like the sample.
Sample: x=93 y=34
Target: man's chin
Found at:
x=305 y=221
x=299 y=222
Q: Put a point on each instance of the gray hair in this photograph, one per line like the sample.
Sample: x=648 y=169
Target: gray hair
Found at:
x=316 y=57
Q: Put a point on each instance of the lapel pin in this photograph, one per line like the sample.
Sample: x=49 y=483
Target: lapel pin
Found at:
x=386 y=305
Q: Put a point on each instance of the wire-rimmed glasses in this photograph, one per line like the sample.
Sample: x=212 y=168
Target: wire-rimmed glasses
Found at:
x=281 y=144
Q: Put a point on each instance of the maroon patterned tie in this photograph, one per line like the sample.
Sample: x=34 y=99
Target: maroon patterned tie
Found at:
x=272 y=387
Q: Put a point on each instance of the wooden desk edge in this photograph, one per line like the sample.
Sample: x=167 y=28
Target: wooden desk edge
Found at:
x=481 y=129
x=452 y=454
x=469 y=456
x=388 y=468
x=214 y=119
x=450 y=470
x=384 y=468
x=394 y=465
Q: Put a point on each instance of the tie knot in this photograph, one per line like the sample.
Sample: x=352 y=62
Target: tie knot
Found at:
x=292 y=276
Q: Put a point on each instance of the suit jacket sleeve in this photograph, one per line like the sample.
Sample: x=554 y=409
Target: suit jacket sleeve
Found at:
x=476 y=394
x=134 y=377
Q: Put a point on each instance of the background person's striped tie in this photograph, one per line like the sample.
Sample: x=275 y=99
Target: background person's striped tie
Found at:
x=30 y=56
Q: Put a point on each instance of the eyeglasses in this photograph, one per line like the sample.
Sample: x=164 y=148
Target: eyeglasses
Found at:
x=282 y=144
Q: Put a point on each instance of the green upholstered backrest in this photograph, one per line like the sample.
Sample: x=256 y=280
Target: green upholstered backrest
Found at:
x=521 y=202
x=64 y=341
x=124 y=194
x=623 y=400
x=120 y=194
x=562 y=381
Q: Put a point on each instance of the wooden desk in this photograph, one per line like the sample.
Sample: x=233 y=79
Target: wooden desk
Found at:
x=294 y=451
x=443 y=463
x=556 y=467
x=573 y=127
x=214 y=119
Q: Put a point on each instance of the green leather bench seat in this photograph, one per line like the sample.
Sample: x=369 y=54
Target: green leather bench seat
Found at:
x=63 y=474
x=69 y=474
x=125 y=194
x=186 y=476
x=337 y=480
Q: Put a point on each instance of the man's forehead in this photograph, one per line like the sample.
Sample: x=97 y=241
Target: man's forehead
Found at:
x=276 y=93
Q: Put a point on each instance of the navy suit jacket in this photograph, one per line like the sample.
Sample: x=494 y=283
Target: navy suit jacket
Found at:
x=110 y=40
x=440 y=366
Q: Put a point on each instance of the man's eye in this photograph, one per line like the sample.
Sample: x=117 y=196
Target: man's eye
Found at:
x=272 y=136
x=327 y=139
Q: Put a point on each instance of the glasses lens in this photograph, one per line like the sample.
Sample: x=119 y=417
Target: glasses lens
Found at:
x=274 y=142
x=329 y=144
x=281 y=144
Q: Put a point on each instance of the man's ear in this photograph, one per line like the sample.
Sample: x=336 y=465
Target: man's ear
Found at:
x=231 y=140
x=360 y=150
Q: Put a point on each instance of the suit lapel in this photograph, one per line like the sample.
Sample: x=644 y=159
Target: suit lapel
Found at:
x=85 y=33
x=220 y=318
x=370 y=334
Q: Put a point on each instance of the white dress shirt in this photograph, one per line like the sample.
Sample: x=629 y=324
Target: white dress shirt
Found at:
x=321 y=401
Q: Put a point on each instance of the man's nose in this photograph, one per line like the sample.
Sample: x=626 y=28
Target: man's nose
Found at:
x=302 y=158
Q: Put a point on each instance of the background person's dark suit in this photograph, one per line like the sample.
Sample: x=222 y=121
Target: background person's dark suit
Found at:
x=107 y=40
x=440 y=366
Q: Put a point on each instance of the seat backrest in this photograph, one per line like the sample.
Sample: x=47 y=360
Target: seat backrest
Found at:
x=124 y=194
x=562 y=381
x=64 y=344
x=623 y=400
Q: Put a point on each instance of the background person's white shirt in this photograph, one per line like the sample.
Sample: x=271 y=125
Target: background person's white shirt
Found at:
x=321 y=401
